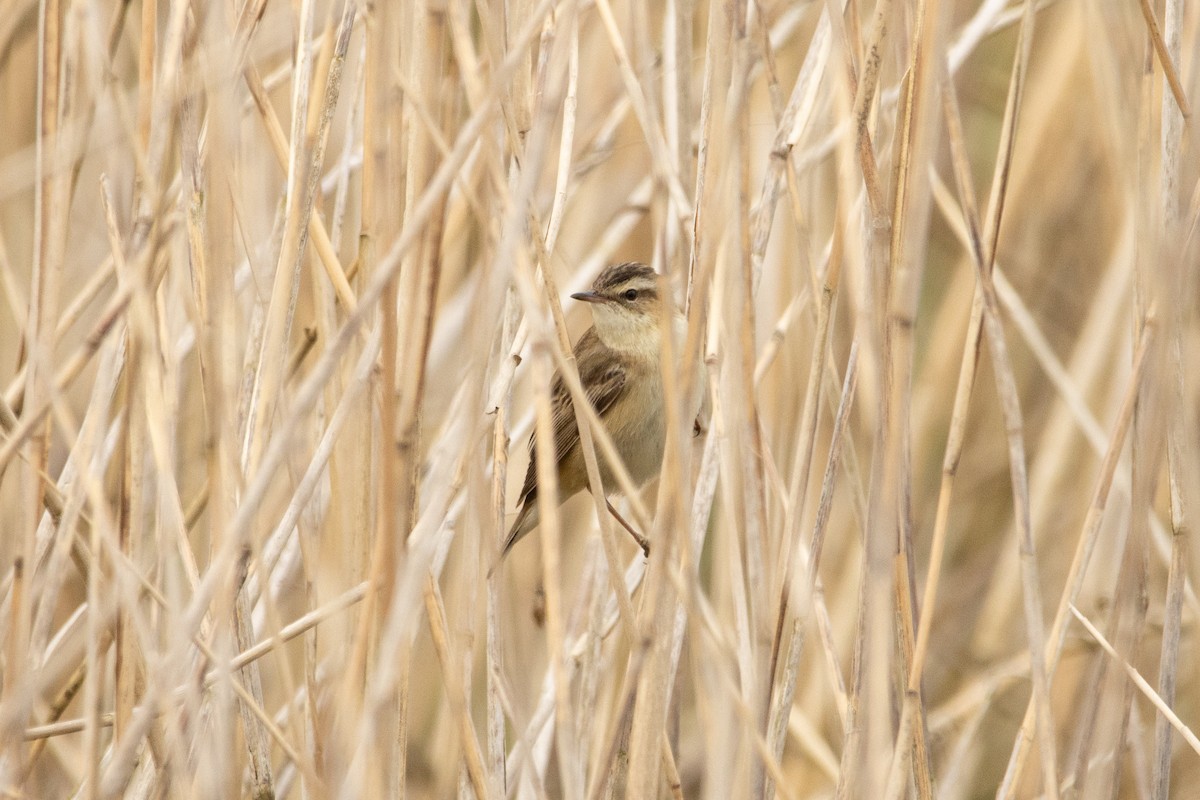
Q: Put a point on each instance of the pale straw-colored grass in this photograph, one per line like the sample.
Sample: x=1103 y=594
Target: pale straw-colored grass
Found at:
x=284 y=286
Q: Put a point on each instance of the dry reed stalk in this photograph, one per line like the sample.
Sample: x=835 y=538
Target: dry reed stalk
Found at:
x=1180 y=472
x=1142 y=684
x=911 y=213
x=45 y=279
x=804 y=88
x=376 y=541
x=984 y=241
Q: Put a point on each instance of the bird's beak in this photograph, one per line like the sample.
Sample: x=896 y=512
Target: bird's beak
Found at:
x=589 y=297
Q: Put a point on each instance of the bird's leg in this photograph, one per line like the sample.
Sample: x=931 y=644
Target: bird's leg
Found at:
x=637 y=537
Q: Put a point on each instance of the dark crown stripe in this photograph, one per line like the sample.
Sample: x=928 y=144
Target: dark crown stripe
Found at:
x=621 y=273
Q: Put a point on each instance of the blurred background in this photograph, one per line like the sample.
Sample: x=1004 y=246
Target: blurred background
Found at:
x=280 y=294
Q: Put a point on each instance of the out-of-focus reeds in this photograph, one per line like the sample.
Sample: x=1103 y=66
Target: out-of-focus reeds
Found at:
x=283 y=290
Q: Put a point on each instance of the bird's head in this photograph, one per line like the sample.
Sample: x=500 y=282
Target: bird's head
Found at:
x=627 y=302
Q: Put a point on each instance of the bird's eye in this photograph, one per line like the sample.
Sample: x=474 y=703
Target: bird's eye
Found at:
x=631 y=294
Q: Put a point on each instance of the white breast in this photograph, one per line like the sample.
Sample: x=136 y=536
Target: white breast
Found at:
x=641 y=433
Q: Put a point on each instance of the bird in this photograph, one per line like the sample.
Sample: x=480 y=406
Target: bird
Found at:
x=618 y=362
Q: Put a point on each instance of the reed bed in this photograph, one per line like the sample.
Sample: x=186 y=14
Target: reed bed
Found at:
x=284 y=285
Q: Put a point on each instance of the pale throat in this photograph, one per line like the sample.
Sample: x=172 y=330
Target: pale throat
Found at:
x=634 y=334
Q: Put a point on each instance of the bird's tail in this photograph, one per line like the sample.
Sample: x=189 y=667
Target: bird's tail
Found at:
x=527 y=520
